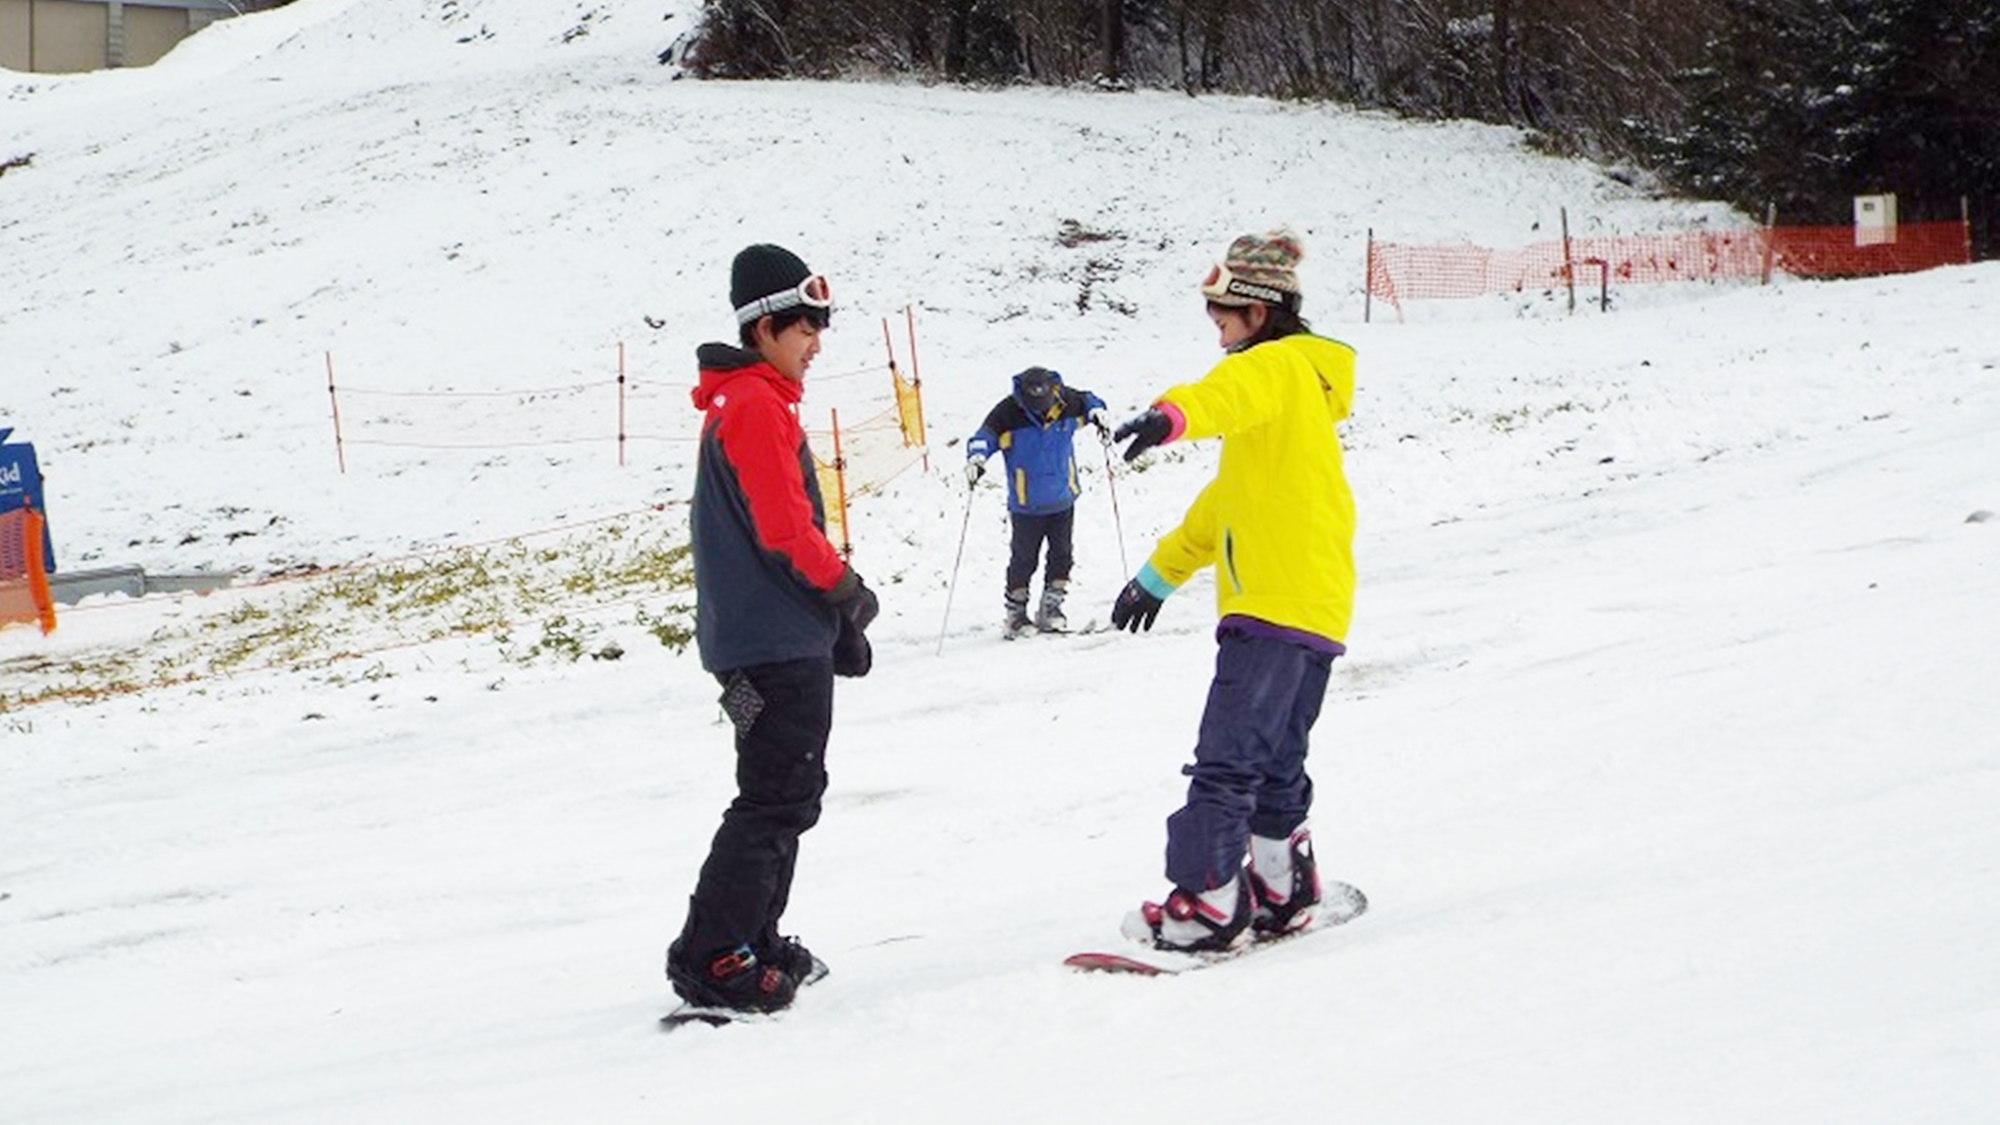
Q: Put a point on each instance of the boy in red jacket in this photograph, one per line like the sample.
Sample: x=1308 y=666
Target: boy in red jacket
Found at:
x=778 y=615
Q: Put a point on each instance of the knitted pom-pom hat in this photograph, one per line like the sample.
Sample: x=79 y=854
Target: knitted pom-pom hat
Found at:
x=1258 y=267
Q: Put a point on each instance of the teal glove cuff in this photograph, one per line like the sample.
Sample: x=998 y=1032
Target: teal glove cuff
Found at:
x=1150 y=581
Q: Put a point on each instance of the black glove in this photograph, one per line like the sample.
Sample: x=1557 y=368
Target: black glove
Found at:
x=1146 y=431
x=1135 y=608
x=862 y=608
x=855 y=601
x=852 y=654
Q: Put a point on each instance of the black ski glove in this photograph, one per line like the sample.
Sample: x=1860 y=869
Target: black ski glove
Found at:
x=1135 y=608
x=1146 y=431
x=855 y=601
x=852 y=654
x=863 y=608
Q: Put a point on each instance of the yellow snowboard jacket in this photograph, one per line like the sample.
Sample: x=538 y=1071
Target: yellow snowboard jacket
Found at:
x=1277 y=521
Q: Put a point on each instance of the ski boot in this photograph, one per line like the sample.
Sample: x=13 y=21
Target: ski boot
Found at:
x=1017 y=623
x=1284 y=881
x=1209 y=922
x=1049 y=616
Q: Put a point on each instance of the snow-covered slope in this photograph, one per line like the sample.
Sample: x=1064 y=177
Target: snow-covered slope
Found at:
x=1664 y=748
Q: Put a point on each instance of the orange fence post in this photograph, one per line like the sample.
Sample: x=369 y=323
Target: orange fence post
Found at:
x=840 y=487
x=917 y=381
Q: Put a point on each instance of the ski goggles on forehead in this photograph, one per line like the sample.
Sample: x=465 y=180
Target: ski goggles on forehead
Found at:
x=814 y=292
x=1226 y=288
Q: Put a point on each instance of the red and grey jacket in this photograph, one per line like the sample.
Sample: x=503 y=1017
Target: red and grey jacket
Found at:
x=766 y=578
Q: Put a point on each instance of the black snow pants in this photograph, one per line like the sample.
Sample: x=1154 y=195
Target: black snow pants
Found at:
x=1056 y=529
x=782 y=714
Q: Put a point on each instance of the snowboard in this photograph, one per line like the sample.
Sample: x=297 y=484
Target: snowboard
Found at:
x=721 y=1017
x=713 y=1017
x=1340 y=903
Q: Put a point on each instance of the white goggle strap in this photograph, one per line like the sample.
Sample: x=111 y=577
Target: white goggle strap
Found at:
x=800 y=294
x=765 y=306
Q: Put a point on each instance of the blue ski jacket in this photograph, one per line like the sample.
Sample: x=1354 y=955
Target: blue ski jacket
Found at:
x=1038 y=449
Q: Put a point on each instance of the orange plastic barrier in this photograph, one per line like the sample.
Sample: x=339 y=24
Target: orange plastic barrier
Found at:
x=1398 y=272
x=1831 y=251
x=24 y=577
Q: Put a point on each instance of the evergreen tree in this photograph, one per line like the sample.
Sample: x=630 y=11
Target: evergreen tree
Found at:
x=1807 y=103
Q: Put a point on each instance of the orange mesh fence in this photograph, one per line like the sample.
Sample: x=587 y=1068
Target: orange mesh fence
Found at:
x=1832 y=251
x=867 y=455
x=1398 y=272
x=833 y=499
x=24 y=577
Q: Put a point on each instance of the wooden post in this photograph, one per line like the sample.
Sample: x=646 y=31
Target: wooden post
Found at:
x=1368 y=279
x=621 y=404
x=1770 y=239
x=1569 y=267
x=339 y=449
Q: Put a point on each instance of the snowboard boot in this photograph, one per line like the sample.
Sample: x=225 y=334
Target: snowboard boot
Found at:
x=791 y=955
x=1209 y=922
x=733 y=979
x=1017 y=623
x=1284 y=881
x=1049 y=617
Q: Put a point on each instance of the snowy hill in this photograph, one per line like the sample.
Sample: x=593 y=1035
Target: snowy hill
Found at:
x=1664 y=749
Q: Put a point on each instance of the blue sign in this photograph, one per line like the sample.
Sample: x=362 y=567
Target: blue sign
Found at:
x=21 y=484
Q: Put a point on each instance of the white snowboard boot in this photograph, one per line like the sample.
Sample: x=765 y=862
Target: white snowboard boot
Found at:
x=1211 y=921
x=1284 y=880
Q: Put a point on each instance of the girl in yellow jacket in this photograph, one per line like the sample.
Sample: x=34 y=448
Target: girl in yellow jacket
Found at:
x=1277 y=524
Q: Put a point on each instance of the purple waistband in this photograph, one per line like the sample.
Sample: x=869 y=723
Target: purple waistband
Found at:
x=1258 y=627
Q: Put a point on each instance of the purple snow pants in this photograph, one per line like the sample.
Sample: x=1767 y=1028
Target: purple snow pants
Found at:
x=1249 y=771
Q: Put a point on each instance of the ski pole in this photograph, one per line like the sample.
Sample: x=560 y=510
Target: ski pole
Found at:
x=1117 y=521
x=951 y=586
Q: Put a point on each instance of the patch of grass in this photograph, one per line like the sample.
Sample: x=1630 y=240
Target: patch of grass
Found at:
x=563 y=591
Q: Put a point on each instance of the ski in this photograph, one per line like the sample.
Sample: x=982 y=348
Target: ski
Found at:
x=1085 y=629
x=1340 y=903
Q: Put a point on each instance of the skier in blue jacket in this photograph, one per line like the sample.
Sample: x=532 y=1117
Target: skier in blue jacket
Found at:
x=1034 y=430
